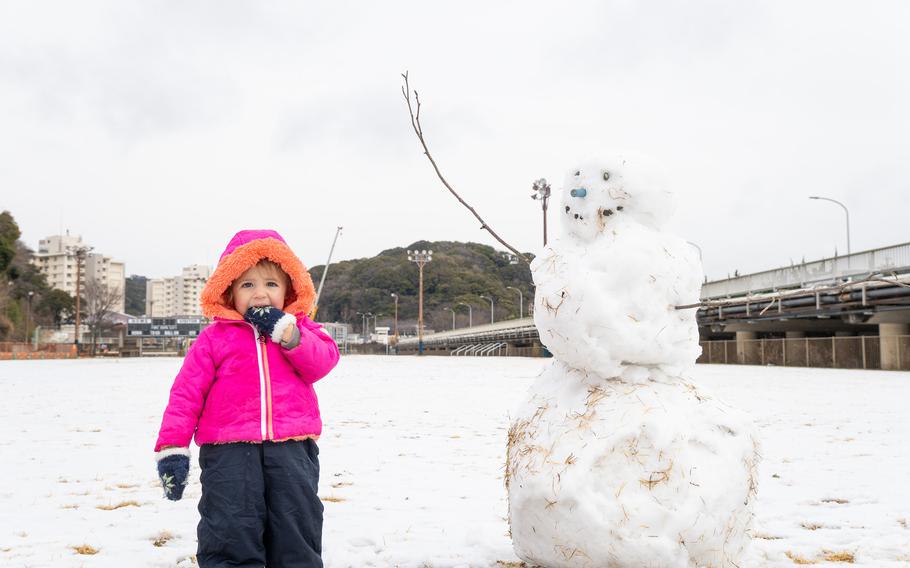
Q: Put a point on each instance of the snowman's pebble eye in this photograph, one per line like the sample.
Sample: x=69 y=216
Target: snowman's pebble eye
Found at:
x=606 y=176
x=567 y=208
x=577 y=173
x=619 y=208
x=607 y=212
x=576 y=215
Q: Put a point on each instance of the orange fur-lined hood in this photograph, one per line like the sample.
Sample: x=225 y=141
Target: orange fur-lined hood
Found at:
x=244 y=250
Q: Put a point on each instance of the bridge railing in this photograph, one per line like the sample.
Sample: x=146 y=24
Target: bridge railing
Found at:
x=893 y=258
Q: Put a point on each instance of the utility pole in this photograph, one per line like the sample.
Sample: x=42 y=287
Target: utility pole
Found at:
x=521 y=301
x=421 y=258
x=542 y=193
x=80 y=253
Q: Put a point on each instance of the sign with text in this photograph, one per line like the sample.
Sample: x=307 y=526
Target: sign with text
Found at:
x=165 y=327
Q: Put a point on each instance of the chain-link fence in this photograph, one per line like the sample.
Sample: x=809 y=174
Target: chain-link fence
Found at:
x=856 y=352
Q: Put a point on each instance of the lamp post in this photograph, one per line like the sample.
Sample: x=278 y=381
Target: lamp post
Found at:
x=521 y=301
x=542 y=193
x=453 y=315
x=491 y=306
x=28 y=314
x=470 y=313
x=697 y=247
x=394 y=295
x=363 y=317
x=421 y=257
x=846 y=212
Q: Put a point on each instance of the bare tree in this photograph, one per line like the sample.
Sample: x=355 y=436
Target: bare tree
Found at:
x=100 y=300
x=418 y=130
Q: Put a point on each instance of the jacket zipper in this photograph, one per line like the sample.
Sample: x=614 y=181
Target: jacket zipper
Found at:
x=265 y=387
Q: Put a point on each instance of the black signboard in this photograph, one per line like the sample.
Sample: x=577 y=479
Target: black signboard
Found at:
x=165 y=327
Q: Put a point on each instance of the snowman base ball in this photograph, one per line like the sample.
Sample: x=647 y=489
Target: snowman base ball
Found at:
x=642 y=470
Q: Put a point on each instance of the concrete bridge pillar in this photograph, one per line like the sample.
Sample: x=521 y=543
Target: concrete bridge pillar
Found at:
x=747 y=349
x=889 y=343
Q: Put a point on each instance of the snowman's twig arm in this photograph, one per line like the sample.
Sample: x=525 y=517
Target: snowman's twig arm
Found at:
x=418 y=130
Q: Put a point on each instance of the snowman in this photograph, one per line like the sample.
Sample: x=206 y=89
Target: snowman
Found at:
x=617 y=459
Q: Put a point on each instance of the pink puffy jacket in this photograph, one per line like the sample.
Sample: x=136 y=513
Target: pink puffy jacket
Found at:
x=238 y=386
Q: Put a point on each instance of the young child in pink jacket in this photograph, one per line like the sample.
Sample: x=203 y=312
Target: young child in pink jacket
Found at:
x=245 y=392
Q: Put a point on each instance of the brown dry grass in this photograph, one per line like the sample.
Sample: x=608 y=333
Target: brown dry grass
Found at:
x=902 y=522
x=843 y=556
x=85 y=549
x=331 y=499
x=118 y=505
x=341 y=484
x=837 y=501
x=797 y=559
x=162 y=538
x=69 y=506
x=811 y=526
x=508 y=564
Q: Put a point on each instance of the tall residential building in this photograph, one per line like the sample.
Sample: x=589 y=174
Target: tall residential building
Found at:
x=58 y=264
x=178 y=295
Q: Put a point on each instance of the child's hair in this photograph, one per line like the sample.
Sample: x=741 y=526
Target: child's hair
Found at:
x=270 y=269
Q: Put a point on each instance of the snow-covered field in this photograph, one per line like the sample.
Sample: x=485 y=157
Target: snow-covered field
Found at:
x=412 y=461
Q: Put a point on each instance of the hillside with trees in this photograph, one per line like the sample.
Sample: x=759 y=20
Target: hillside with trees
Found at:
x=459 y=272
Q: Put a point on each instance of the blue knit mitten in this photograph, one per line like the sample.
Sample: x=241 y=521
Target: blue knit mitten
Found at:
x=272 y=322
x=173 y=470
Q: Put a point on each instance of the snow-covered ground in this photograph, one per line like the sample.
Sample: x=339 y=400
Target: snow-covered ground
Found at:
x=412 y=463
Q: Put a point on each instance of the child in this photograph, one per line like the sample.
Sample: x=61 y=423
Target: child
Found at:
x=246 y=392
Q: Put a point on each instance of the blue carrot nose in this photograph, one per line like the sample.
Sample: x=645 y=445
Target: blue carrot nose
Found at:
x=578 y=192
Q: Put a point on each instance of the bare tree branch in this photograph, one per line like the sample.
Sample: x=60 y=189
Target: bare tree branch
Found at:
x=418 y=130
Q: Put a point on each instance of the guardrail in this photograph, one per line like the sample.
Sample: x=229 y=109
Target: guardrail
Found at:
x=885 y=260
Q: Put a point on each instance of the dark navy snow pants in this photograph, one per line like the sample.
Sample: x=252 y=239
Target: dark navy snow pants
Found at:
x=259 y=505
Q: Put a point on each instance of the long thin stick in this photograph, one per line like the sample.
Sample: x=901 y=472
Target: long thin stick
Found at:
x=418 y=130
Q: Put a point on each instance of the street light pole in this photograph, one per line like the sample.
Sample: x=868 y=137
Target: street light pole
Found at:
x=28 y=314
x=421 y=258
x=542 y=193
x=521 y=301
x=491 y=307
x=363 y=324
x=447 y=309
x=470 y=313
x=846 y=212
x=394 y=295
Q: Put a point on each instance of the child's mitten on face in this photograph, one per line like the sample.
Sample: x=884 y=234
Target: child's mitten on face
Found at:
x=173 y=470
x=272 y=322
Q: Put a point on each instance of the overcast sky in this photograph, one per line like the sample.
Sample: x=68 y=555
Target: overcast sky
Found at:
x=157 y=129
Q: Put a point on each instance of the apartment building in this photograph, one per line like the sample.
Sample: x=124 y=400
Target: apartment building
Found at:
x=57 y=262
x=178 y=295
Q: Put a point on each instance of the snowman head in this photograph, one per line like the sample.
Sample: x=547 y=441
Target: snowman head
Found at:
x=599 y=194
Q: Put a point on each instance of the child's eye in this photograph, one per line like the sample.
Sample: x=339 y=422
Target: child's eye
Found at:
x=246 y=285
x=274 y=284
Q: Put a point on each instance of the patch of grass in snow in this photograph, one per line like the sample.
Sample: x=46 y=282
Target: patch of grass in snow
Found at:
x=902 y=522
x=74 y=506
x=162 y=538
x=797 y=559
x=765 y=536
x=85 y=549
x=836 y=501
x=811 y=526
x=331 y=499
x=507 y=564
x=126 y=485
x=831 y=556
x=342 y=484
x=119 y=505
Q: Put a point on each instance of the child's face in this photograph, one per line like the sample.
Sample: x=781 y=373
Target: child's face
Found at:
x=258 y=287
